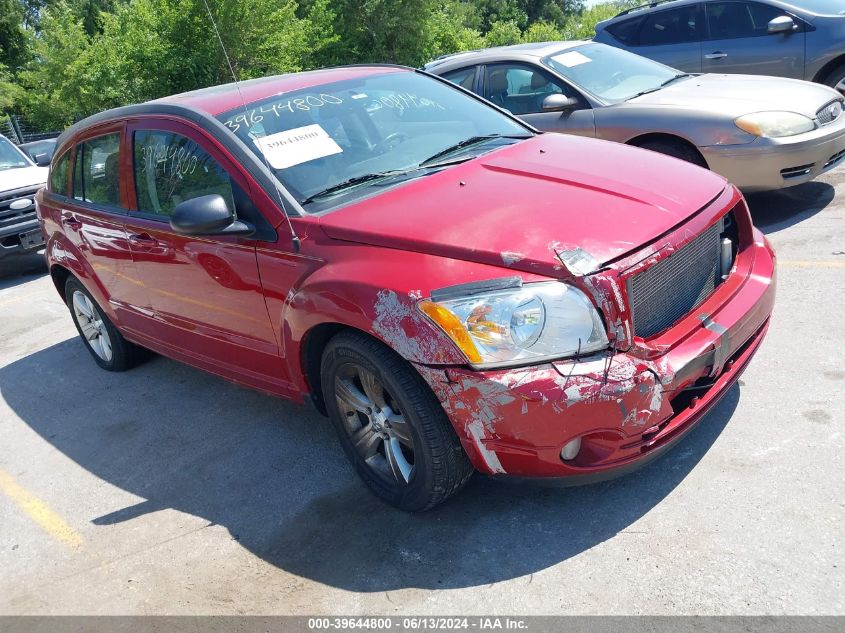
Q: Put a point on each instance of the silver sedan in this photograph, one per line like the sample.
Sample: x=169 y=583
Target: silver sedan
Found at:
x=760 y=132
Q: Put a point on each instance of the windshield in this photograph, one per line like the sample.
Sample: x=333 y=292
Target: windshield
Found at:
x=10 y=156
x=822 y=7
x=609 y=73
x=340 y=140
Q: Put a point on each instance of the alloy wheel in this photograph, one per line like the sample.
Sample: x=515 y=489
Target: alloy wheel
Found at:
x=92 y=326
x=375 y=423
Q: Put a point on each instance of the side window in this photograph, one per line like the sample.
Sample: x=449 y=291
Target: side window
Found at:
x=521 y=89
x=170 y=168
x=730 y=20
x=96 y=176
x=465 y=77
x=676 y=26
x=627 y=30
x=58 y=175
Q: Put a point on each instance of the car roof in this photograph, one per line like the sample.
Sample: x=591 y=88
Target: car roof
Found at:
x=216 y=100
x=653 y=5
x=206 y=103
x=533 y=50
x=659 y=5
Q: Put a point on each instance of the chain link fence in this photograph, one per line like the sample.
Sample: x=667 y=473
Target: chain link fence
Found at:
x=18 y=130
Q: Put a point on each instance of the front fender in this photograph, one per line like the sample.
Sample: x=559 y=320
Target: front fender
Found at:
x=376 y=290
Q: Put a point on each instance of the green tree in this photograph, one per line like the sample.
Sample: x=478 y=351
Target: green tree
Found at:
x=13 y=39
x=10 y=92
x=542 y=31
x=447 y=31
x=503 y=34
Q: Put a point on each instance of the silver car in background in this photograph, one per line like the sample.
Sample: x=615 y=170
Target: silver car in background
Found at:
x=801 y=39
x=761 y=133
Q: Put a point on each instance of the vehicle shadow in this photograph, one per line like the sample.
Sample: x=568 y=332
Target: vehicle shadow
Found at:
x=273 y=474
x=18 y=269
x=774 y=211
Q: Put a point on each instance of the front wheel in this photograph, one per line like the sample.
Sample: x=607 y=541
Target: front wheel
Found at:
x=836 y=79
x=391 y=426
x=675 y=149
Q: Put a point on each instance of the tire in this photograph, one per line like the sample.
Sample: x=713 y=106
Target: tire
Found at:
x=836 y=79
x=106 y=345
x=406 y=425
x=675 y=149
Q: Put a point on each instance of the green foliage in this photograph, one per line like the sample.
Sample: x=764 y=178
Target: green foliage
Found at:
x=65 y=59
x=542 y=32
x=447 y=32
x=503 y=34
x=10 y=92
x=13 y=40
x=582 y=25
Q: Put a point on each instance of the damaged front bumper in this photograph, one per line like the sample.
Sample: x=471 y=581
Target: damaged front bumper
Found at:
x=626 y=407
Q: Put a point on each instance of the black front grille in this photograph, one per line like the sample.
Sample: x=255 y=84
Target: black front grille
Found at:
x=663 y=293
x=834 y=159
x=797 y=171
x=9 y=216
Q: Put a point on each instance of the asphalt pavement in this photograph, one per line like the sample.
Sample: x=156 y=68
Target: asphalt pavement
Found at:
x=166 y=490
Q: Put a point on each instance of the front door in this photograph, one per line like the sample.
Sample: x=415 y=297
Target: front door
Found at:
x=521 y=89
x=740 y=42
x=206 y=291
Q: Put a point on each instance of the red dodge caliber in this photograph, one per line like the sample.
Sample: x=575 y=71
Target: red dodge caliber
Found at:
x=454 y=290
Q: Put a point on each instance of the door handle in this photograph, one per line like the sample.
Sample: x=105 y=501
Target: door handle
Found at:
x=71 y=222
x=143 y=240
x=716 y=55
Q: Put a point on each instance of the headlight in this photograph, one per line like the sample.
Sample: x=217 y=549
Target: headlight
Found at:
x=536 y=322
x=775 y=124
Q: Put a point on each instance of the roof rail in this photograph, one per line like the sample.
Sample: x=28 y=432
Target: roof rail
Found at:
x=642 y=6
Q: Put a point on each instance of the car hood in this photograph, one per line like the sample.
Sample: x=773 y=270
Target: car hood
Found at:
x=736 y=95
x=520 y=205
x=20 y=177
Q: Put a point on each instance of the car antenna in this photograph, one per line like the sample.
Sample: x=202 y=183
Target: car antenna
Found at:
x=294 y=236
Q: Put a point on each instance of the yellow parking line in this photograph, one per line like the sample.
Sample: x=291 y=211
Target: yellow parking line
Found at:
x=810 y=264
x=38 y=511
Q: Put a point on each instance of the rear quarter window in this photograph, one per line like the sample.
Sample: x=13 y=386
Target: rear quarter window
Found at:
x=58 y=175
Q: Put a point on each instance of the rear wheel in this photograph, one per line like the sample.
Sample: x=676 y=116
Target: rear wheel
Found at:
x=836 y=79
x=108 y=347
x=391 y=426
x=675 y=149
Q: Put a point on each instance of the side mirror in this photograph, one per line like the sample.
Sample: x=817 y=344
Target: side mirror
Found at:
x=782 y=24
x=207 y=215
x=558 y=103
x=42 y=160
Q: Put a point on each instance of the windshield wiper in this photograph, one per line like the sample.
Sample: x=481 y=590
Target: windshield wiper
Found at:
x=675 y=78
x=656 y=88
x=472 y=140
x=357 y=180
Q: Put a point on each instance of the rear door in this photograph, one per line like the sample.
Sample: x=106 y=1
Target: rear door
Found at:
x=672 y=37
x=521 y=89
x=93 y=217
x=206 y=291
x=739 y=41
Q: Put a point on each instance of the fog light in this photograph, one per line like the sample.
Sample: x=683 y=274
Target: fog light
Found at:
x=570 y=451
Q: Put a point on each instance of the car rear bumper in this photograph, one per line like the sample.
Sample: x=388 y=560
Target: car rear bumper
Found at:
x=626 y=410
x=769 y=164
x=21 y=237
